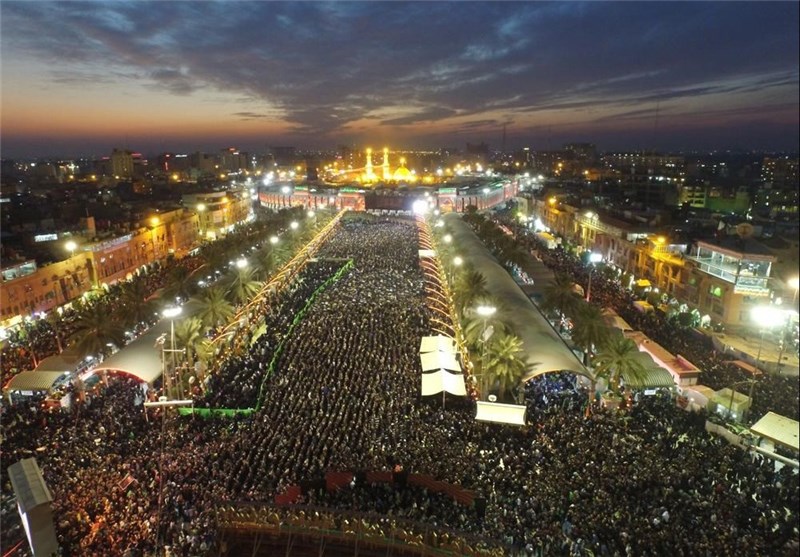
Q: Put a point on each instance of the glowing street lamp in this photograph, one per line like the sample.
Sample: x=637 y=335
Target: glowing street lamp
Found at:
x=241 y=263
x=447 y=238
x=273 y=240
x=293 y=225
x=794 y=283
x=593 y=258
x=71 y=246
x=765 y=317
x=170 y=313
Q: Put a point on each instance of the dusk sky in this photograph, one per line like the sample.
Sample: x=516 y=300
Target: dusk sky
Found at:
x=82 y=78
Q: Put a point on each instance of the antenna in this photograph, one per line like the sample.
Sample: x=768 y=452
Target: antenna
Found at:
x=655 y=126
x=504 y=139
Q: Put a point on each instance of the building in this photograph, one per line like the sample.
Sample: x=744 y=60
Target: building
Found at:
x=723 y=279
x=727 y=278
x=218 y=211
x=122 y=163
x=28 y=289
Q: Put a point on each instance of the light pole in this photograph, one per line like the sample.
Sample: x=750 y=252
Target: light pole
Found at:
x=593 y=258
x=784 y=329
x=485 y=312
x=752 y=383
x=765 y=317
x=171 y=313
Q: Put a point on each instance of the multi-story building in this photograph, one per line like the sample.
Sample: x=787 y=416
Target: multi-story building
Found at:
x=28 y=289
x=723 y=279
x=219 y=211
x=122 y=163
x=727 y=278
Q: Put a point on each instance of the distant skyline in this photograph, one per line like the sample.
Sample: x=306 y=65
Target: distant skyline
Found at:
x=83 y=78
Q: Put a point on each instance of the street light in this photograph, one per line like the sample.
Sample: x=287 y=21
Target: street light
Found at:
x=171 y=313
x=447 y=238
x=273 y=240
x=241 y=263
x=794 y=283
x=293 y=225
x=593 y=258
x=765 y=317
x=71 y=246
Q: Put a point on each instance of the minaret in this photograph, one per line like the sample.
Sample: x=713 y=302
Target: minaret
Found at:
x=386 y=163
x=368 y=168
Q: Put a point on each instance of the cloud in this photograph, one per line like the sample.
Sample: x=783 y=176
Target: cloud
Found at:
x=321 y=67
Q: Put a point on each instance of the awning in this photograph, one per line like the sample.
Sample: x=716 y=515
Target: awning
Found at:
x=438 y=343
x=69 y=360
x=652 y=378
x=780 y=429
x=501 y=413
x=141 y=358
x=34 y=380
x=643 y=283
x=435 y=383
x=433 y=361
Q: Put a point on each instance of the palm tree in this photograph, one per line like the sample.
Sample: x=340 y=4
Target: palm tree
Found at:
x=188 y=334
x=95 y=329
x=242 y=285
x=617 y=361
x=474 y=325
x=560 y=296
x=590 y=330
x=134 y=306
x=470 y=286
x=211 y=307
x=504 y=363
x=181 y=283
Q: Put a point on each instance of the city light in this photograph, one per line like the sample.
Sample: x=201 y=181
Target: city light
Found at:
x=172 y=312
x=293 y=225
x=241 y=263
x=273 y=240
x=485 y=311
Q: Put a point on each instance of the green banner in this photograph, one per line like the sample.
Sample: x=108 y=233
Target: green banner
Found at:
x=298 y=318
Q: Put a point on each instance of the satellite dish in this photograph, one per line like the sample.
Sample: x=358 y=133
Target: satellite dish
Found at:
x=744 y=230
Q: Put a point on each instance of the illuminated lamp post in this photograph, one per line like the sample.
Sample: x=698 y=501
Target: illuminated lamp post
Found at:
x=593 y=258
x=765 y=317
x=171 y=313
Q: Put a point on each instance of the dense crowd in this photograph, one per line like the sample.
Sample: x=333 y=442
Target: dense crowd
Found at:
x=345 y=396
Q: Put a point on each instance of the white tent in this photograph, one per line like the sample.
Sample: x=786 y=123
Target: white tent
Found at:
x=440 y=381
x=501 y=413
x=433 y=361
x=438 y=343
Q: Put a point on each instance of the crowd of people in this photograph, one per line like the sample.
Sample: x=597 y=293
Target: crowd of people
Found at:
x=345 y=395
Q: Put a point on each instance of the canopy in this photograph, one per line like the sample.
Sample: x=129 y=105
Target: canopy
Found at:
x=438 y=343
x=432 y=361
x=434 y=383
x=643 y=283
x=32 y=380
x=779 y=429
x=142 y=357
x=615 y=321
x=543 y=348
x=69 y=360
x=501 y=413
x=653 y=378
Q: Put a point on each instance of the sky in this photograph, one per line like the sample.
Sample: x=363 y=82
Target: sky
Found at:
x=82 y=78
